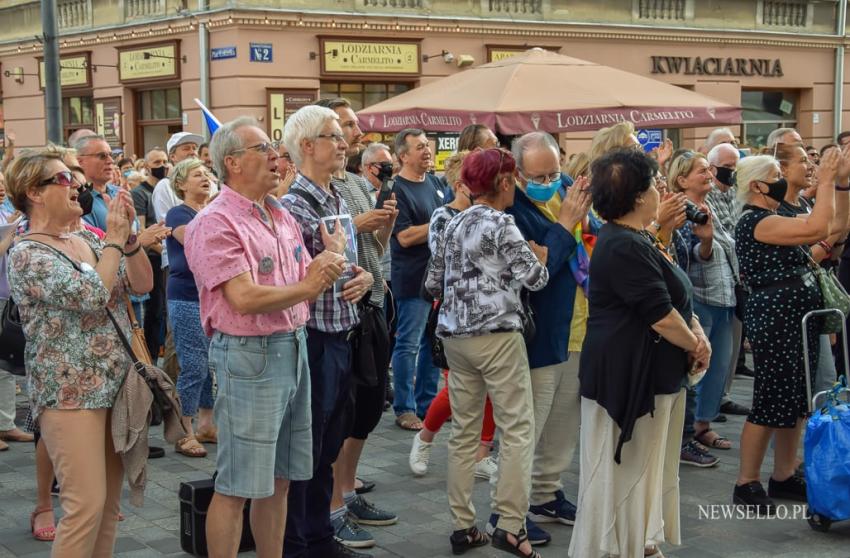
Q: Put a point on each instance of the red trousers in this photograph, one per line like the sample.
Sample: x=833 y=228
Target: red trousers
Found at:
x=441 y=409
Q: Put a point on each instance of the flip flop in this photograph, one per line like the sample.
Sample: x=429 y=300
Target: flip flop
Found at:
x=719 y=442
x=190 y=447
x=409 y=421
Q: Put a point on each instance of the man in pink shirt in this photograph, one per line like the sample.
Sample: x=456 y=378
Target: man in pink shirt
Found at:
x=255 y=279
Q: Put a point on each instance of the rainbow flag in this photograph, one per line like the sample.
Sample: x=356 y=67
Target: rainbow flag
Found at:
x=585 y=236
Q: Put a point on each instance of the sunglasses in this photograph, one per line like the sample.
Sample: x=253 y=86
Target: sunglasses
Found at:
x=65 y=179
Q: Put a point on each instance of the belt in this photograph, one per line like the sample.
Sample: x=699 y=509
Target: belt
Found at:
x=803 y=278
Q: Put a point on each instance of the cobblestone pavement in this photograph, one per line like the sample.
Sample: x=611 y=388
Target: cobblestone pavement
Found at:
x=423 y=527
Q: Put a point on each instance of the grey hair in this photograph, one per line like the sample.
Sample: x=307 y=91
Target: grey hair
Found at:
x=773 y=137
x=372 y=151
x=306 y=123
x=717 y=151
x=80 y=134
x=752 y=169
x=529 y=141
x=714 y=137
x=401 y=140
x=84 y=141
x=180 y=174
x=225 y=141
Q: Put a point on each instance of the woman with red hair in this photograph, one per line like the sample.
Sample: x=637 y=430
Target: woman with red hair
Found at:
x=479 y=271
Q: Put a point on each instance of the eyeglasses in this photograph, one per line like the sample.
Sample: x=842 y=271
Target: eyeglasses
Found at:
x=65 y=179
x=103 y=155
x=262 y=147
x=336 y=138
x=543 y=178
x=286 y=156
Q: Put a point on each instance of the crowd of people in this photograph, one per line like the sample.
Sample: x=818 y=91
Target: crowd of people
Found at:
x=296 y=290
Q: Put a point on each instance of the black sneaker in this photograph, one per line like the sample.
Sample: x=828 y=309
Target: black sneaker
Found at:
x=338 y=550
x=753 y=494
x=743 y=370
x=732 y=408
x=792 y=488
x=155 y=452
x=693 y=454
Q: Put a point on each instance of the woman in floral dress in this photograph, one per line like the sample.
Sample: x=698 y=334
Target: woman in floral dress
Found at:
x=63 y=284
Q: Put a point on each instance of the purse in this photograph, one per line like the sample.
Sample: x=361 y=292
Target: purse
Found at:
x=12 y=340
x=529 y=323
x=137 y=340
x=438 y=353
x=834 y=296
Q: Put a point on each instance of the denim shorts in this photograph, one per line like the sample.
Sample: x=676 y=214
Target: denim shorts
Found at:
x=262 y=411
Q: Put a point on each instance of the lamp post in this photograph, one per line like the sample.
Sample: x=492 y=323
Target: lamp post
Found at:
x=52 y=82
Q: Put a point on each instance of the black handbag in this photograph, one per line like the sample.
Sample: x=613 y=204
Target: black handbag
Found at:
x=742 y=293
x=529 y=325
x=438 y=353
x=195 y=498
x=12 y=340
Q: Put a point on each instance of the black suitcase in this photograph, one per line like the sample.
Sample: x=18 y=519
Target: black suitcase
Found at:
x=195 y=498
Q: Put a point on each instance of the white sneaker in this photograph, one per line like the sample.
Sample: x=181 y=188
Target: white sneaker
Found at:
x=420 y=455
x=486 y=468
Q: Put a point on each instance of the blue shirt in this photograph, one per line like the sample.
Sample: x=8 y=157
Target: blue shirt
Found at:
x=100 y=207
x=181 y=281
x=416 y=202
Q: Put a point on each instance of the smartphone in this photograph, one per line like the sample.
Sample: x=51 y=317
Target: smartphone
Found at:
x=385 y=193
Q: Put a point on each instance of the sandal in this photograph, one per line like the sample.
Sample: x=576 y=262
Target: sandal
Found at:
x=46 y=534
x=719 y=442
x=465 y=539
x=652 y=552
x=501 y=541
x=409 y=421
x=190 y=447
x=207 y=435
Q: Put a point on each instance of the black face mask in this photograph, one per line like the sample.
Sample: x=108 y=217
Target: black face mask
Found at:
x=776 y=190
x=724 y=175
x=159 y=172
x=385 y=172
x=85 y=197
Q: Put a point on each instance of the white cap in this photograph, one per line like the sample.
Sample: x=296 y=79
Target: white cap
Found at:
x=183 y=137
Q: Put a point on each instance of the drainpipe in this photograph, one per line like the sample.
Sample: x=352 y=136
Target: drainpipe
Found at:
x=839 y=69
x=204 y=59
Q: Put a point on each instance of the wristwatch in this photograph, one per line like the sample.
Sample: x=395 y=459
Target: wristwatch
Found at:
x=131 y=240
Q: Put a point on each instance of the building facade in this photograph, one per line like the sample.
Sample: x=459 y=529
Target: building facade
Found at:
x=132 y=68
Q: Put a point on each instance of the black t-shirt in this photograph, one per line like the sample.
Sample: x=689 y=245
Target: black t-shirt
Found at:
x=143 y=203
x=416 y=202
x=624 y=362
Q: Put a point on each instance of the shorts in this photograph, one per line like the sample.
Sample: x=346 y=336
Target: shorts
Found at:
x=262 y=411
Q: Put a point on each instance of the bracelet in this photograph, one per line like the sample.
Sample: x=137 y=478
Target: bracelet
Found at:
x=113 y=245
x=825 y=245
x=133 y=252
x=842 y=188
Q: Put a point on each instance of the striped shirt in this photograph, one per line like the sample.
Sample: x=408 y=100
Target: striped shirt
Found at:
x=329 y=313
x=355 y=192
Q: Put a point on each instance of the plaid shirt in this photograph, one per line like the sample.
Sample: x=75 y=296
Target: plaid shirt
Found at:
x=330 y=313
x=713 y=279
x=725 y=207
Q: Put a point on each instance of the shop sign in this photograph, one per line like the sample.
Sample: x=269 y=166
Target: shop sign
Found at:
x=697 y=66
x=261 y=52
x=649 y=139
x=73 y=71
x=108 y=120
x=282 y=104
x=370 y=57
x=148 y=63
x=496 y=53
x=446 y=146
x=223 y=53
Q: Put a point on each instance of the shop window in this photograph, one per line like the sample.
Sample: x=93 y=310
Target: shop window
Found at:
x=362 y=95
x=765 y=111
x=158 y=113
x=77 y=113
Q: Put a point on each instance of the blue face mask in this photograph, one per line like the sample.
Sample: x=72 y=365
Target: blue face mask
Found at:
x=542 y=192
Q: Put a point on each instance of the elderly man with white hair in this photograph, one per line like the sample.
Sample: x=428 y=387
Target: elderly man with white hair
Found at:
x=783 y=135
x=254 y=279
x=720 y=136
x=316 y=143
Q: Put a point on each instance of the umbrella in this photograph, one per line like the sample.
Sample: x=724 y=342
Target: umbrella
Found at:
x=547 y=91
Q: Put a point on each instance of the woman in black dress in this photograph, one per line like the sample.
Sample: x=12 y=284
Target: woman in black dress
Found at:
x=632 y=402
x=774 y=260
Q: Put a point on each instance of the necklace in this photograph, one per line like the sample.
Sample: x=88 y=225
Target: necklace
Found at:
x=62 y=236
x=650 y=237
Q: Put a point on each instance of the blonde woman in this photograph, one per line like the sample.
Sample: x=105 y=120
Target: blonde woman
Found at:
x=191 y=183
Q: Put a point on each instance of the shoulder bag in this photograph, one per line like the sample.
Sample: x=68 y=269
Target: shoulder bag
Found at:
x=833 y=293
x=12 y=340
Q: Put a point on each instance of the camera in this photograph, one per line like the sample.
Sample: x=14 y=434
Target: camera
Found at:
x=695 y=214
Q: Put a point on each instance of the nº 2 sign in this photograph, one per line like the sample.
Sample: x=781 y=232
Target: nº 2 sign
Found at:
x=261 y=52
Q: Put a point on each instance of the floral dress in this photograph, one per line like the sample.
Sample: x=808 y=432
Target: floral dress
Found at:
x=74 y=358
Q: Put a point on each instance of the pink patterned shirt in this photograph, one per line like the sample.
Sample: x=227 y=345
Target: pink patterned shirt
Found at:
x=232 y=236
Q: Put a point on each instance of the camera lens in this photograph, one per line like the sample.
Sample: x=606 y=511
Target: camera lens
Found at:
x=694 y=214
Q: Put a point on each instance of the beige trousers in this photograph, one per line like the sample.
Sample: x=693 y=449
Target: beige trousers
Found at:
x=90 y=475
x=496 y=365
x=557 y=417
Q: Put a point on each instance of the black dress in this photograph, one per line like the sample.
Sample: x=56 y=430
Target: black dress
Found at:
x=624 y=362
x=783 y=291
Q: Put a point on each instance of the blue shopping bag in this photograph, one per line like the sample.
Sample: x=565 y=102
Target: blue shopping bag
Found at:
x=827 y=455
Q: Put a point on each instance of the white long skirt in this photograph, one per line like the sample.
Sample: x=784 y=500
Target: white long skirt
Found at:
x=624 y=508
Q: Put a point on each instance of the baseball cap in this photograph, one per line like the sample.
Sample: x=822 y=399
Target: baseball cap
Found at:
x=183 y=137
